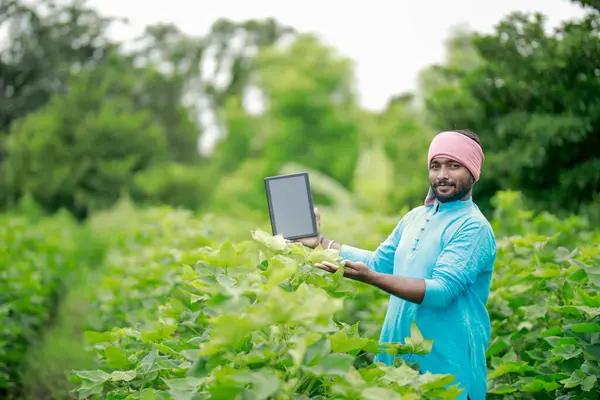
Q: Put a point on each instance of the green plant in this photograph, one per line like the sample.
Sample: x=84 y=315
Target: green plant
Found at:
x=40 y=258
x=544 y=306
x=186 y=321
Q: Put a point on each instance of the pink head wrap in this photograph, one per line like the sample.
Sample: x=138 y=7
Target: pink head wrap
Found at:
x=458 y=147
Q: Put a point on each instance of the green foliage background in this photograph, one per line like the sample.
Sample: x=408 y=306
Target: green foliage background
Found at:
x=100 y=169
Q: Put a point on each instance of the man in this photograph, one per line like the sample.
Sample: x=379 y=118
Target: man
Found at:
x=437 y=266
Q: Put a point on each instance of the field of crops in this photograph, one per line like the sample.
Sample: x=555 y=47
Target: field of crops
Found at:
x=182 y=307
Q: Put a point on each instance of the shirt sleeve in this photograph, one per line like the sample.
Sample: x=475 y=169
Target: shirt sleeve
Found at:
x=380 y=260
x=471 y=251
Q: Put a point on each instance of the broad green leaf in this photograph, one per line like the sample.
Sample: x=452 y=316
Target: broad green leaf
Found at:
x=415 y=333
x=184 y=388
x=116 y=358
x=224 y=385
x=229 y=332
x=535 y=311
x=547 y=271
x=298 y=353
x=517 y=367
x=371 y=373
x=89 y=388
x=340 y=342
x=316 y=351
x=319 y=254
x=331 y=364
x=264 y=383
x=188 y=273
x=539 y=385
x=589 y=382
x=591 y=367
x=274 y=243
x=578 y=276
x=558 y=341
x=525 y=325
x=497 y=345
x=402 y=375
x=146 y=394
x=147 y=363
x=338 y=276
x=589 y=300
x=503 y=389
x=280 y=269
x=122 y=376
x=161 y=347
x=592 y=312
x=567 y=351
x=94 y=376
x=375 y=393
x=579 y=378
x=537 y=354
x=431 y=381
x=227 y=254
x=99 y=337
x=160 y=331
x=567 y=291
x=593 y=351
x=551 y=332
x=585 y=327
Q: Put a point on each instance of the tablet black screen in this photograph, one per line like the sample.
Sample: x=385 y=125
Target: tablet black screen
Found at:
x=291 y=207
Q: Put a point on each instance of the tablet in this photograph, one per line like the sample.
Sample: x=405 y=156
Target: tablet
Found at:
x=291 y=206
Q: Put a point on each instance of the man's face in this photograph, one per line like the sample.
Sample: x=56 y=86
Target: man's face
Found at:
x=449 y=179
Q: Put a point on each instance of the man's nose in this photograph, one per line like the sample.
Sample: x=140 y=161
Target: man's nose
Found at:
x=443 y=173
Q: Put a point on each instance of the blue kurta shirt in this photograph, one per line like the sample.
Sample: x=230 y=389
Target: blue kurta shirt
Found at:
x=452 y=247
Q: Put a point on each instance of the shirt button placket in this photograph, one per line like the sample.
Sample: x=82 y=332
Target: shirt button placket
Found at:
x=418 y=238
x=419 y=235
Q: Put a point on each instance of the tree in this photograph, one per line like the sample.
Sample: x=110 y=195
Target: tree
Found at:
x=46 y=43
x=461 y=57
x=310 y=112
x=535 y=101
x=309 y=119
x=405 y=137
x=593 y=4
x=81 y=150
x=212 y=69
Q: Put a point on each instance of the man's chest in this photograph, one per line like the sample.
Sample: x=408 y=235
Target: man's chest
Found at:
x=420 y=245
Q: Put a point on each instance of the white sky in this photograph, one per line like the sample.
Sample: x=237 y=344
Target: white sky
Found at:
x=389 y=41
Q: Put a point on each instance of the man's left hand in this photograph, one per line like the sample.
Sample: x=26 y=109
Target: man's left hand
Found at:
x=353 y=270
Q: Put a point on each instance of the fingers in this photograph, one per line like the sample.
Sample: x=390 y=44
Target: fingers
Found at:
x=349 y=270
x=327 y=266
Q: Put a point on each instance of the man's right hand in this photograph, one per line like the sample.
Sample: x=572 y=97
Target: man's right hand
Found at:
x=313 y=242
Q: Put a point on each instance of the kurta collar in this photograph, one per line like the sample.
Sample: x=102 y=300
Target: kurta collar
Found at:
x=453 y=205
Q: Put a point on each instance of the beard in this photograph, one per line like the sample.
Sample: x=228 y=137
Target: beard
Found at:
x=448 y=191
